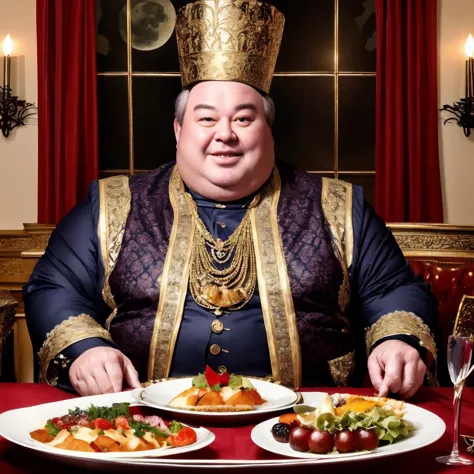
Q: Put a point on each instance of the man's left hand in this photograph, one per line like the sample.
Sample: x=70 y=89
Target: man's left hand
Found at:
x=397 y=367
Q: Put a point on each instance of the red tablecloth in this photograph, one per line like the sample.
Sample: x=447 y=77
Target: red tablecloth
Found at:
x=235 y=443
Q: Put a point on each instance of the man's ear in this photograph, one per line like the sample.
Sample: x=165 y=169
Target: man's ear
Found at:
x=177 y=129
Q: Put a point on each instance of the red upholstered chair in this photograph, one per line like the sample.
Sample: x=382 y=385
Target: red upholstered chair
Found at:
x=444 y=256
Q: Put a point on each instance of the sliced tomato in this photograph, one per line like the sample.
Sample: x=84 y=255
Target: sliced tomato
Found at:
x=183 y=437
x=288 y=418
x=122 y=422
x=102 y=424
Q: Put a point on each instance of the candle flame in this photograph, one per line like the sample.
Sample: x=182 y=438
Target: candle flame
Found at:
x=469 y=47
x=7 y=45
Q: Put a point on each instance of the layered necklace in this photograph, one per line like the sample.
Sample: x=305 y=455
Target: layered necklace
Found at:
x=212 y=286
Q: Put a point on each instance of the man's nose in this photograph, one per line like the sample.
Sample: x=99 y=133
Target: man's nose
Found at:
x=224 y=131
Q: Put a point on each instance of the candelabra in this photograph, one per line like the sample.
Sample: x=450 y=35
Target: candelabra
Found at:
x=13 y=111
x=463 y=112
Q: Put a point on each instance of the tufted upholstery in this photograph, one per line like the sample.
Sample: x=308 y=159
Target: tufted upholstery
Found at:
x=444 y=256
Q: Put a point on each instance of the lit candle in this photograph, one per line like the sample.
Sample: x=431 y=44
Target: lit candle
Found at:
x=469 y=49
x=7 y=49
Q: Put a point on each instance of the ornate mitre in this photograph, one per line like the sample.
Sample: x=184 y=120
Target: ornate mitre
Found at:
x=229 y=40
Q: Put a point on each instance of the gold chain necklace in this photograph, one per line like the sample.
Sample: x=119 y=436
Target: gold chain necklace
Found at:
x=232 y=287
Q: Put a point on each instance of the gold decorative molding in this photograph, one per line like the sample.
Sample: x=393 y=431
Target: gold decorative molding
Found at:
x=19 y=251
x=11 y=266
x=434 y=240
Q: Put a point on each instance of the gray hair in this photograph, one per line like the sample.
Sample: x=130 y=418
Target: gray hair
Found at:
x=182 y=101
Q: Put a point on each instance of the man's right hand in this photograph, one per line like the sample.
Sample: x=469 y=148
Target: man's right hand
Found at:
x=102 y=370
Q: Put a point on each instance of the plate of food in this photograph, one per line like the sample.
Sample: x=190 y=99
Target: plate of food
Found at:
x=104 y=427
x=344 y=427
x=213 y=395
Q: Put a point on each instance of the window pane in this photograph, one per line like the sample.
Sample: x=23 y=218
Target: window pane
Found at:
x=357 y=39
x=153 y=114
x=367 y=183
x=304 y=124
x=356 y=123
x=111 y=47
x=308 y=37
x=113 y=122
x=154 y=47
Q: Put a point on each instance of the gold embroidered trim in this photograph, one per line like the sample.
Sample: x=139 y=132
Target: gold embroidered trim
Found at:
x=174 y=282
x=342 y=368
x=71 y=330
x=336 y=201
x=115 y=203
x=274 y=289
x=464 y=324
x=401 y=323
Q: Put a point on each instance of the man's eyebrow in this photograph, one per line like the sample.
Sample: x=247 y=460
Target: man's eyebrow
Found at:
x=203 y=106
x=237 y=108
x=246 y=107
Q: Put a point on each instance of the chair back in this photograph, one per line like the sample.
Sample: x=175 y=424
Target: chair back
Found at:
x=443 y=255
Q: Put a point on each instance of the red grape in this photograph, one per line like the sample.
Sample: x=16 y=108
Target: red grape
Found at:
x=346 y=441
x=368 y=439
x=299 y=438
x=321 y=442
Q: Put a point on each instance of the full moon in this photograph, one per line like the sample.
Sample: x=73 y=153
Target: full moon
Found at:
x=153 y=23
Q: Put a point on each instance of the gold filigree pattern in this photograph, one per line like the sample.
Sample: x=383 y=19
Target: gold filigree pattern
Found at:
x=229 y=40
x=464 y=324
x=174 y=282
x=22 y=242
x=274 y=289
x=336 y=201
x=69 y=331
x=435 y=242
x=11 y=266
x=114 y=210
x=342 y=368
x=399 y=323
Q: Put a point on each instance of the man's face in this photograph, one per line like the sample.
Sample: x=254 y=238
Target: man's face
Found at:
x=224 y=145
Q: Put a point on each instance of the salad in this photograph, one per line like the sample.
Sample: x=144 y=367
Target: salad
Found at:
x=344 y=423
x=112 y=429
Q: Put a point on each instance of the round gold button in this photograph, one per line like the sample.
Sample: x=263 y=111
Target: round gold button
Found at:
x=215 y=349
x=222 y=369
x=217 y=326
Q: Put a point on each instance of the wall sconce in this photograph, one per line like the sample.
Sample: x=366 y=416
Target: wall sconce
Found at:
x=13 y=111
x=463 y=110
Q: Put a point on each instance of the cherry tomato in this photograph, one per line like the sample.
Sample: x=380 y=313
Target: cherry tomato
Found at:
x=368 y=440
x=102 y=424
x=321 y=442
x=299 y=438
x=122 y=422
x=346 y=441
x=183 y=437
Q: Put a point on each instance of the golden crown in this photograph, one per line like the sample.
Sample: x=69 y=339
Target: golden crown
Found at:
x=229 y=40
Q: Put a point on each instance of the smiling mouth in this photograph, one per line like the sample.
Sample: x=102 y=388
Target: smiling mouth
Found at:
x=226 y=155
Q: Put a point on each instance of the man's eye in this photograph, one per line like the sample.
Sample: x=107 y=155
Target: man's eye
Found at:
x=243 y=119
x=206 y=119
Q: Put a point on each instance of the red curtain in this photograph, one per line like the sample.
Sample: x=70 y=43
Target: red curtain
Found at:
x=67 y=105
x=408 y=184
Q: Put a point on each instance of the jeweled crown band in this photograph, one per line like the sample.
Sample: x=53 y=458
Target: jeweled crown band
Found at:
x=229 y=40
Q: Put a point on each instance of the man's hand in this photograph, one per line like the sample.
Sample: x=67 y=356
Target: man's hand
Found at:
x=102 y=370
x=397 y=367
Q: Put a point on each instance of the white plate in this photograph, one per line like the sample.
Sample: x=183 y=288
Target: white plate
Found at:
x=159 y=395
x=16 y=425
x=428 y=429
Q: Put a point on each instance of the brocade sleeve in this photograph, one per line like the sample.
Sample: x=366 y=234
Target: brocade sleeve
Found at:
x=392 y=301
x=64 y=308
